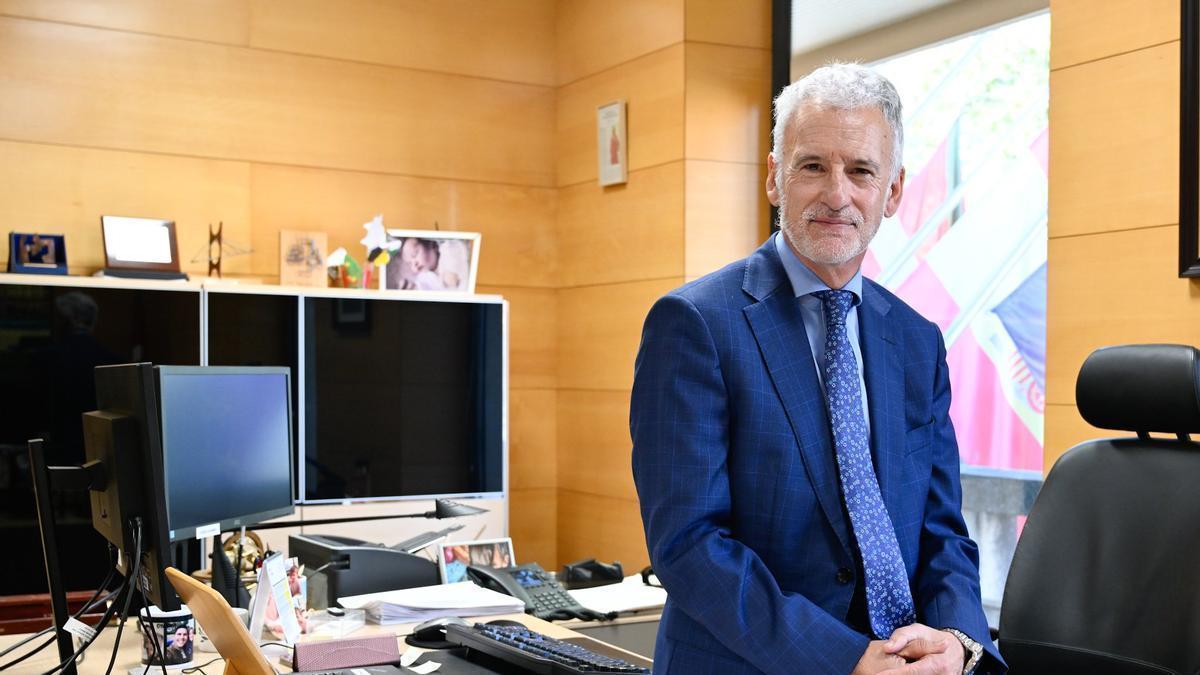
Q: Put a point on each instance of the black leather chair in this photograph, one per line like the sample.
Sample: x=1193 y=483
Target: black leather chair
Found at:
x=1106 y=575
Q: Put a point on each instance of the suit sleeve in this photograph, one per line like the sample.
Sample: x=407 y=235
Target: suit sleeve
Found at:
x=947 y=581
x=679 y=421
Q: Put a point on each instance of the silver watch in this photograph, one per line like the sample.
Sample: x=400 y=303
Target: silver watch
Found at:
x=974 y=649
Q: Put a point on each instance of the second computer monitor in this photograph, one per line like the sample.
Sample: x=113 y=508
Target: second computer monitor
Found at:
x=226 y=447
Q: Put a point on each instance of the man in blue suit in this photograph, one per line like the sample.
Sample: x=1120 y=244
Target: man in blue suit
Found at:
x=792 y=446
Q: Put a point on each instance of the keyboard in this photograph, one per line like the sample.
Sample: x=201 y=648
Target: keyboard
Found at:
x=535 y=652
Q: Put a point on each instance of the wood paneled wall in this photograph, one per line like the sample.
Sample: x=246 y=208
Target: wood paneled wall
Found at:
x=695 y=76
x=310 y=115
x=1114 y=100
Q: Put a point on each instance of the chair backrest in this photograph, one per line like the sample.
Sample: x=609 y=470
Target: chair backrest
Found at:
x=1103 y=579
x=227 y=632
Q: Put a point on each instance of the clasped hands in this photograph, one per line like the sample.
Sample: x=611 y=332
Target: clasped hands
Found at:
x=915 y=649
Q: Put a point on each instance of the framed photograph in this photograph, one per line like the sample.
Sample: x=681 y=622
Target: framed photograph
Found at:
x=1189 y=140
x=139 y=243
x=37 y=253
x=302 y=258
x=611 y=151
x=431 y=260
x=453 y=557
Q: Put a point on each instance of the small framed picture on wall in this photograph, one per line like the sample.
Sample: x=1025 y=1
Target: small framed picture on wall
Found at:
x=612 y=141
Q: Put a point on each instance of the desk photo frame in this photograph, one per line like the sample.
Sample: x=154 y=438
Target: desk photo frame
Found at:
x=139 y=244
x=454 y=557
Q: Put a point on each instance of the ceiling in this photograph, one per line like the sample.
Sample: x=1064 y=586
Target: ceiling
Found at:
x=816 y=23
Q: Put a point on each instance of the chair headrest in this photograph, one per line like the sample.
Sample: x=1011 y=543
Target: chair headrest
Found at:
x=1141 y=388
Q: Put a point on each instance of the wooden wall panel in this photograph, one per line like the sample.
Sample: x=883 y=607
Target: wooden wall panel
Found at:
x=533 y=525
x=53 y=189
x=90 y=87
x=1085 y=30
x=726 y=214
x=1097 y=126
x=224 y=21
x=1110 y=289
x=742 y=23
x=1065 y=429
x=595 y=35
x=518 y=244
x=653 y=90
x=608 y=528
x=511 y=40
x=594 y=444
x=599 y=330
x=728 y=103
x=623 y=232
x=532 y=317
x=532 y=455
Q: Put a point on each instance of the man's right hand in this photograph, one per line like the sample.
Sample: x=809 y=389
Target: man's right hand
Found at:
x=875 y=660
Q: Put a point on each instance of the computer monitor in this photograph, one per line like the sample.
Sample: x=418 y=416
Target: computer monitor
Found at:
x=226 y=447
x=123 y=436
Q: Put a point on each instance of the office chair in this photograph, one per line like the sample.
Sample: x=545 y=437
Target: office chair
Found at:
x=1105 y=577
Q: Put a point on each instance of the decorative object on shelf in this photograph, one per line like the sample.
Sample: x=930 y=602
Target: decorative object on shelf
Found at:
x=142 y=248
x=431 y=260
x=375 y=241
x=611 y=148
x=302 y=258
x=37 y=253
x=214 y=253
x=345 y=272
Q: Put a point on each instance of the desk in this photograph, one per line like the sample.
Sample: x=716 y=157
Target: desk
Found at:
x=129 y=654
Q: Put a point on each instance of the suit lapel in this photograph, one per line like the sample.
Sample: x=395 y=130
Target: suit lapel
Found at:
x=779 y=331
x=883 y=363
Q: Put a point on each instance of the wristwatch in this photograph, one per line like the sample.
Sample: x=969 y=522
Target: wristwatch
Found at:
x=974 y=649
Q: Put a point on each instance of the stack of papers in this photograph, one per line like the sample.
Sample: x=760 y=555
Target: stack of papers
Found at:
x=412 y=605
x=630 y=595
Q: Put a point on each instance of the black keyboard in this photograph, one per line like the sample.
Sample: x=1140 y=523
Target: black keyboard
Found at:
x=535 y=652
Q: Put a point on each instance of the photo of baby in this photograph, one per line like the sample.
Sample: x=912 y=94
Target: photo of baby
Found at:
x=455 y=557
x=422 y=263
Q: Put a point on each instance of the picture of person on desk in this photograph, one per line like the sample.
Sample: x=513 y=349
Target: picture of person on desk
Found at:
x=179 y=649
x=794 y=458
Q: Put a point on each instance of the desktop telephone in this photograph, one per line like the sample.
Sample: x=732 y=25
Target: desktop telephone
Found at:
x=543 y=596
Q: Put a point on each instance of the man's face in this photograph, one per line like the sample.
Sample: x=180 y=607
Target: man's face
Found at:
x=836 y=188
x=180 y=639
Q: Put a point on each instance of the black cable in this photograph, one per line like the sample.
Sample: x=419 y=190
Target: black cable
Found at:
x=49 y=641
x=84 y=609
x=200 y=668
x=137 y=565
x=108 y=614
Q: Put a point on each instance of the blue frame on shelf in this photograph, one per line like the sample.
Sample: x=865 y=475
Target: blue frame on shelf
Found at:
x=37 y=253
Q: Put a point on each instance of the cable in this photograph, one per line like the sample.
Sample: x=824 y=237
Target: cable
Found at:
x=137 y=565
x=200 y=668
x=45 y=644
x=107 y=616
x=84 y=609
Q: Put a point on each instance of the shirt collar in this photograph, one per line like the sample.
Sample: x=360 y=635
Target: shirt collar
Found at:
x=804 y=281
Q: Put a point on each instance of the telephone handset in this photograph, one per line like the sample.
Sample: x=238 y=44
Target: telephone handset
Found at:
x=543 y=596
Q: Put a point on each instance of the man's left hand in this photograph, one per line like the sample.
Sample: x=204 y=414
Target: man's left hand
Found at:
x=928 y=651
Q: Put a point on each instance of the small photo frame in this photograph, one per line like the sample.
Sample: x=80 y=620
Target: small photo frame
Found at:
x=454 y=557
x=302 y=258
x=37 y=253
x=431 y=260
x=612 y=142
x=139 y=243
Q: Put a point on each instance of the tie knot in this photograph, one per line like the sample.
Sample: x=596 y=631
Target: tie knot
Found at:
x=836 y=304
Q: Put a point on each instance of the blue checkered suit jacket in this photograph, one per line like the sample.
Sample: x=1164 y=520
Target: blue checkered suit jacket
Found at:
x=736 y=475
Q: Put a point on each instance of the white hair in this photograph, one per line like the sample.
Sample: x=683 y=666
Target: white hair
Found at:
x=842 y=86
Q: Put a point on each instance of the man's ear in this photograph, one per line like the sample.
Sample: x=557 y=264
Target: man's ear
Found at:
x=895 y=192
x=772 y=185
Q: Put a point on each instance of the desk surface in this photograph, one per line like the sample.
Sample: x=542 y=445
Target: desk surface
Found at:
x=129 y=654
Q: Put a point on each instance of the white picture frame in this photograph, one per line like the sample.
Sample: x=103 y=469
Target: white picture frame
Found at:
x=612 y=144
x=431 y=260
x=480 y=553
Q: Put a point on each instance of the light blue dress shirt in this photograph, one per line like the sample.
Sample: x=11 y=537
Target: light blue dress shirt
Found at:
x=804 y=283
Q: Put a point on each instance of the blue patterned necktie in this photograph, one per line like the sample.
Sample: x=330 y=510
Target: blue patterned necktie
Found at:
x=889 y=601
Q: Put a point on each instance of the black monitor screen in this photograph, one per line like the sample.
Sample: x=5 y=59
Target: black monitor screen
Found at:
x=402 y=398
x=226 y=442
